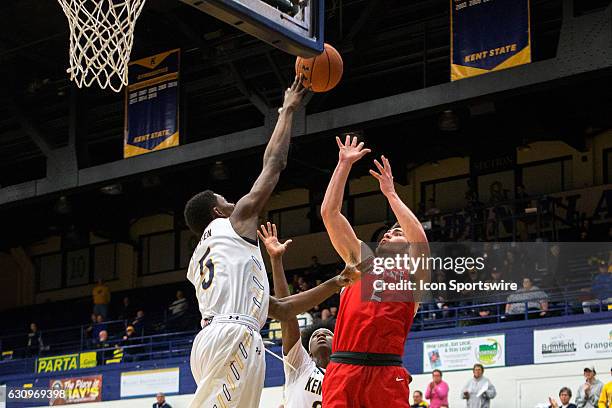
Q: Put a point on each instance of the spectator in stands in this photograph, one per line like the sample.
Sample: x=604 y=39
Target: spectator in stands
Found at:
x=601 y=289
x=437 y=391
x=98 y=327
x=103 y=343
x=305 y=319
x=127 y=311
x=325 y=315
x=432 y=210
x=565 y=395
x=417 y=398
x=479 y=391
x=605 y=398
x=486 y=312
x=161 y=401
x=130 y=339
x=89 y=329
x=35 y=342
x=589 y=392
x=497 y=195
x=471 y=196
x=535 y=298
x=101 y=298
x=139 y=322
x=521 y=199
x=177 y=312
x=315 y=270
x=521 y=203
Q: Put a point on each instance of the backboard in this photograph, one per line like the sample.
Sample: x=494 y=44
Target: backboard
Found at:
x=296 y=27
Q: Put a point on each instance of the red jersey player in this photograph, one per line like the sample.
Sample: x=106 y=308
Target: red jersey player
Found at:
x=366 y=365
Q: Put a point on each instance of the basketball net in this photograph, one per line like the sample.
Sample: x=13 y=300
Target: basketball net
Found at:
x=101 y=38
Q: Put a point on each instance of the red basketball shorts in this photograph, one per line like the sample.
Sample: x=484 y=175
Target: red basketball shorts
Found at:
x=357 y=386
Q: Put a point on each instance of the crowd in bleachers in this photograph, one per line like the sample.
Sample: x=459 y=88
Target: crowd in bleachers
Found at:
x=550 y=277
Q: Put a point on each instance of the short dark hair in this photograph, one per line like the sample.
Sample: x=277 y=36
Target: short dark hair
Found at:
x=565 y=389
x=420 y=393
x=307 y=332
x=199 y=211
x=437 y=371
x=478 y=365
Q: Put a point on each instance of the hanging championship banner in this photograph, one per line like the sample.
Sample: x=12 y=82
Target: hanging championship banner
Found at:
x=488 y=35
x=152 y=104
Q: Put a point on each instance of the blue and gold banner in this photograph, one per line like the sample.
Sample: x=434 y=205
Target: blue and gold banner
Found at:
x=152 y=104
x=488 y=35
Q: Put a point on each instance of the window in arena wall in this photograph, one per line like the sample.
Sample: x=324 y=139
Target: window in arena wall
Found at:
x=298 y=220
x=293 y=222
x=105 y=262
x=188 y=242
x=448 y=193
x=158 y=253
x=370 y=208
x=49 y=271
x=549 y=176
x=77 y=267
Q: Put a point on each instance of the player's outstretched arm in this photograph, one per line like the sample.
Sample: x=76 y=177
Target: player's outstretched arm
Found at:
x=244 y=217
x=290 y=328
x=413 y=230
x=411 y=226
x=340 y=232
x=291 y=306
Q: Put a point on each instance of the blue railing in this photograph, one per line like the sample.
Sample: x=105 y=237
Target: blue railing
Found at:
x=429 y=317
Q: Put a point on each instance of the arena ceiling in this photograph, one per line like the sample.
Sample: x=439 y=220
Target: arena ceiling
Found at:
x=389 y=47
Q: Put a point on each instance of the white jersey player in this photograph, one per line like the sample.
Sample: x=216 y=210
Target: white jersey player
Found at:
x=304 y=370
x=227 y=271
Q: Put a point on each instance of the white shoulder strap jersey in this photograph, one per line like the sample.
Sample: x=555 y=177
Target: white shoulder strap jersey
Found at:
x=229 y=274
x=303 y=386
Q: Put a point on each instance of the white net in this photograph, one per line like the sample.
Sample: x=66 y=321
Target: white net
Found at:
x=101 y=38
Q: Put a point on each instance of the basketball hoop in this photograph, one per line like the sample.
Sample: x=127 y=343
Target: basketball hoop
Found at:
x=101 y=38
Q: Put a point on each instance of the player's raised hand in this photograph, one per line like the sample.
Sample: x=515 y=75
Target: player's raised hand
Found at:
x=269 y=237
x=385 y=177
x=294 y=94
x=353 y=273
x=350 y=151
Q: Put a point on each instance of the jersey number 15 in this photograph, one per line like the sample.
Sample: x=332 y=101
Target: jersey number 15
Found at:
x=208 y=277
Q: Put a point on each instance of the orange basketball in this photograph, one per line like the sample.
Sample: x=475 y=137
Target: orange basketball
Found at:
x=323 y=72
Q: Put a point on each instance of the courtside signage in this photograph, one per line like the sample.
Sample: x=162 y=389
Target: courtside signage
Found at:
x=77 y=390
x=67 y=362
x=572 y=344
x=149 y=382
x=463 y=353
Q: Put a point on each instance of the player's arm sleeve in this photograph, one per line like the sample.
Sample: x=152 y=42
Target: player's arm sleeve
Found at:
x=295 y=362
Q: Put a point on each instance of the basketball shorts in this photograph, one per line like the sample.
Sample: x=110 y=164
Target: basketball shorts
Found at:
x=228 y=365
x=357 y=386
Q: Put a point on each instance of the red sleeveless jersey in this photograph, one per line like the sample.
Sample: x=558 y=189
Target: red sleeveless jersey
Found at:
x=371 y=327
